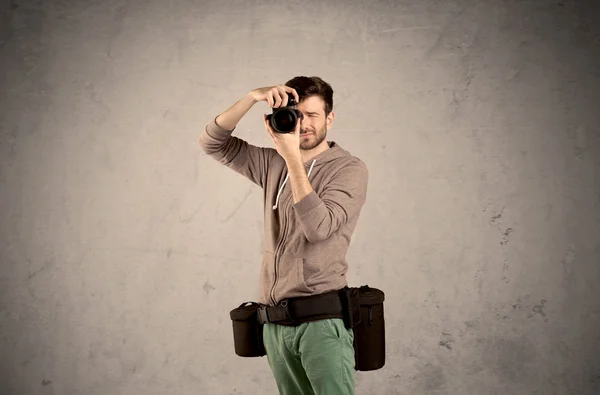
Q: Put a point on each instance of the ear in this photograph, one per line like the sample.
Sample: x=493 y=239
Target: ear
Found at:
x=329 y=120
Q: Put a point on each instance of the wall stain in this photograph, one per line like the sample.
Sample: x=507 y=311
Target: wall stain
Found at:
x=446 y=343
x=539 y=308
x=504 y=270
x=517 y=305
x=472 y=324
x=47 y=263
x=446 y=340
x=496 y=217
x=507 y=232
x=46 y=382
x=506 y=235
x=535 y=309
x=208 y=287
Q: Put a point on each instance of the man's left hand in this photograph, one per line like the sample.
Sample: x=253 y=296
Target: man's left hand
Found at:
x=287 y=144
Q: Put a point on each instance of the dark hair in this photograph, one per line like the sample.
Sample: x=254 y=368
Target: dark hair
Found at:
x=313 y=86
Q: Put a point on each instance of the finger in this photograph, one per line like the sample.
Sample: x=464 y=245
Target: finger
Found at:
x=293 y=92
x=277 y=98
x=267 y=125
x=270 y=99
x=284 y=96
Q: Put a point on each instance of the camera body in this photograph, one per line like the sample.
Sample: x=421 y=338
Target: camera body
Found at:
x=285 y=119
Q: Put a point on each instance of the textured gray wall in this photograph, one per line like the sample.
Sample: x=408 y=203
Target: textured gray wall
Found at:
x=479 y=122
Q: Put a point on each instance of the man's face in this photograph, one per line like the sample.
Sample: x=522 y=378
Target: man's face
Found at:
x=314 y=126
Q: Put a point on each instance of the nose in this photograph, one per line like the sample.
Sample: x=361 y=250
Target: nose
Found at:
x=304 y=121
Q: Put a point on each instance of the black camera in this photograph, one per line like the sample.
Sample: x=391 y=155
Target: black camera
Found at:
x=285 y=119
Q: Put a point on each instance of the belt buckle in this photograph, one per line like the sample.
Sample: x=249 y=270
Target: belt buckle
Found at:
x=286 y=305
x=263 y=315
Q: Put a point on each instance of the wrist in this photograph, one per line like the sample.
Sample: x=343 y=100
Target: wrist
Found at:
x=294 y=158
x=250 y=96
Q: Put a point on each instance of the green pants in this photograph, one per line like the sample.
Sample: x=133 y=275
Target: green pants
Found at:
x=313 y=358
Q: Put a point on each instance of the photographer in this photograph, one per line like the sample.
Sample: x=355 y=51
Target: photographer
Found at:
x=314 y=191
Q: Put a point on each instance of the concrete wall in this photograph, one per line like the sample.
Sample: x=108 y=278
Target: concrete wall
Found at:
x=479 y=122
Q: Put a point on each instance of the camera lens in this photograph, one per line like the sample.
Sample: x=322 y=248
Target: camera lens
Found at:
x=284 y=121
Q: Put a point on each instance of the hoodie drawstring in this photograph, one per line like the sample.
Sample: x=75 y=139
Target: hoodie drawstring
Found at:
x=284 y=181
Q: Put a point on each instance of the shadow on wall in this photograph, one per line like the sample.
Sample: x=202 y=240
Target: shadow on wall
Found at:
x=7 y=9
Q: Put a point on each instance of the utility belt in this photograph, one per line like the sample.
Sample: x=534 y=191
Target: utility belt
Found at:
x=360 y=308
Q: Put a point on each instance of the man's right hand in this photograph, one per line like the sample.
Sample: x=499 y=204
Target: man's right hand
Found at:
x=275 y=96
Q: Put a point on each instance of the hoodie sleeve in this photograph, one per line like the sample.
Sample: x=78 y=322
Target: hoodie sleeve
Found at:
x=248 y=160
x=340 y=201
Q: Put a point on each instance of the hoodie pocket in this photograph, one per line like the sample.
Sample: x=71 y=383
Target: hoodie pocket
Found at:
x=301 y=278
x=290 y=276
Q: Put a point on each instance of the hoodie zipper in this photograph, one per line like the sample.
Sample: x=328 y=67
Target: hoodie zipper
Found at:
x=281 y=238
x=276 y=262
x=279 y=243
x=277 y=255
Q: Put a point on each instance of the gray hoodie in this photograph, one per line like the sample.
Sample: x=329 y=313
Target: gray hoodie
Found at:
x=305 y=244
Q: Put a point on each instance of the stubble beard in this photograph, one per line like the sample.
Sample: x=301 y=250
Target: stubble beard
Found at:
x=316 y=139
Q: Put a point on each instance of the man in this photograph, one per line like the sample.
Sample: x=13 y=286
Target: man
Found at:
x=314 y=191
